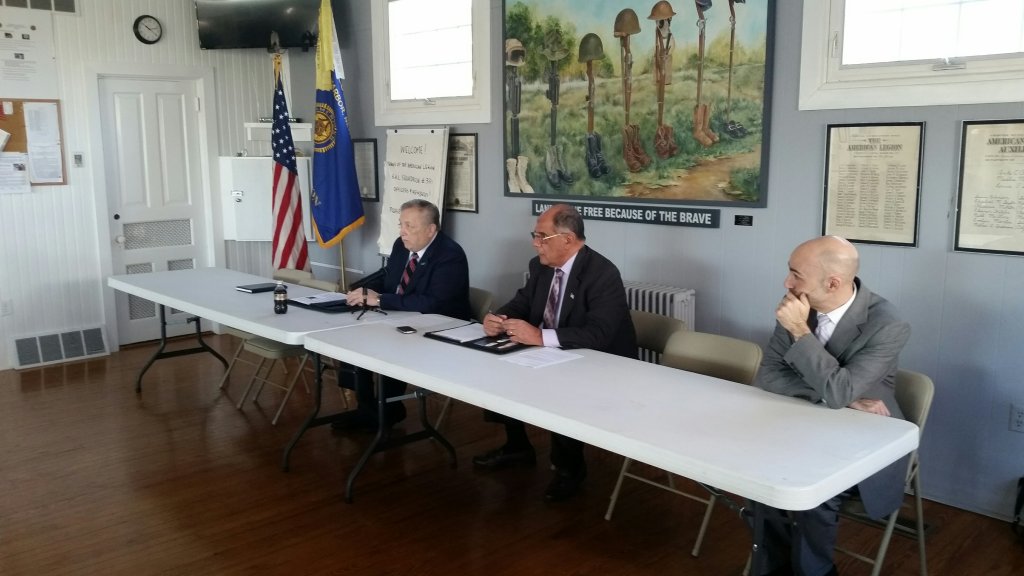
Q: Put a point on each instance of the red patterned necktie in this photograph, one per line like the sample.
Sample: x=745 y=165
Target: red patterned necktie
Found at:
x=551 y=309
x=410 y=267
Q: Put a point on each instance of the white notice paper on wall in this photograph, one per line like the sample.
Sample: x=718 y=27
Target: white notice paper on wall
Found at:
x=29 y=68
x=14 y=173
x=4 y=136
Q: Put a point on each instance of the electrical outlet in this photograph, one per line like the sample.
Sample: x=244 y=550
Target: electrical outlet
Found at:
x=6 y=308
x=1017 y=417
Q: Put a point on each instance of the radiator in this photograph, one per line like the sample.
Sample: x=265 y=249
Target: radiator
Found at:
x=664 y=300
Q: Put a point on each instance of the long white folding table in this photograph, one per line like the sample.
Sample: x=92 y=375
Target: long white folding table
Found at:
x=780 y=451
x=210 y=293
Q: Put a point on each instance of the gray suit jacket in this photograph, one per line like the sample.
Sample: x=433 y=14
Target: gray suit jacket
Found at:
x=860 y=361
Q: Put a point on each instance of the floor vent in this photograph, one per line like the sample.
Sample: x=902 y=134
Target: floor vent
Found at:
x=34 y=351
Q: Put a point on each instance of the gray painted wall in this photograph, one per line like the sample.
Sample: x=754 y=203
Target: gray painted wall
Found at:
x=965 y=309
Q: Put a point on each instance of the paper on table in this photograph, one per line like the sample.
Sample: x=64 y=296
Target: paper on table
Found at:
x=466 y=333
x=541 y=357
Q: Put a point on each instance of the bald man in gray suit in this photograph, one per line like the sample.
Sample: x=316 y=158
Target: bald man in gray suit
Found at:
x=836 y=344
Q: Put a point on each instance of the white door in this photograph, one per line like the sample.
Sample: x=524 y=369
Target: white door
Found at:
x=154 y=190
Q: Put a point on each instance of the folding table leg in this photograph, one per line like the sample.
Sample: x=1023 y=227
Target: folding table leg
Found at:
x=160 y=353
x=382 y=440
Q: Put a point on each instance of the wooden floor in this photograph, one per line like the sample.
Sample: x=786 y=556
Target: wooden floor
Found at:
x=98 y=480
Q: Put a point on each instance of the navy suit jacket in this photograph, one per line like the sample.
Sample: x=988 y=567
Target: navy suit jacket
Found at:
x=859 y=361
x=440 y=284
x=594 y=310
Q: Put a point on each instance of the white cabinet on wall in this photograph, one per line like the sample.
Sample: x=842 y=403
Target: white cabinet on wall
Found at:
x=246 y=192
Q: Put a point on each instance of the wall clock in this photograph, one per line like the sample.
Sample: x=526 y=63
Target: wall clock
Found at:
x=148 y=29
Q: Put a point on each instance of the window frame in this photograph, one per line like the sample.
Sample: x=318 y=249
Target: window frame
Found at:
x=823 y=85
x=475 y=109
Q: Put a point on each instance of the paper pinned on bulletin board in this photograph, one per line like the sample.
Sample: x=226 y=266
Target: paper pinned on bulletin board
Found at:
x=42 y=126
x=14 y=173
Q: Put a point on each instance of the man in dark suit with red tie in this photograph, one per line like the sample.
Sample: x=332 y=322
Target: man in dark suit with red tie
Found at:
x=427 y=272
x=574 y=298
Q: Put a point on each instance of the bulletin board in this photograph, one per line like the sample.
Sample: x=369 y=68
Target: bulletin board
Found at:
x=36 y=129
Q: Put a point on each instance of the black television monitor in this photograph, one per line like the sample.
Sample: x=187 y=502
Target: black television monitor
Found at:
x=251 y=23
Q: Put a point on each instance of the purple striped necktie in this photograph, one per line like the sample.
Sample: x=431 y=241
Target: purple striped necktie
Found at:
x=410 y=267
x=551 y=309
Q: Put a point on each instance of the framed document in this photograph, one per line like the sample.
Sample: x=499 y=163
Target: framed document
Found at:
x=461 y=187
x=365 y=151
x=873 y=182
x=990 y=197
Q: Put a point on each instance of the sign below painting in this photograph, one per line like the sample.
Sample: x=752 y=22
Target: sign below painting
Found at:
x=665 y=215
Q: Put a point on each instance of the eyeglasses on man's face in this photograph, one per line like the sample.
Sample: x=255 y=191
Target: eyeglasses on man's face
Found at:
x=541 y=238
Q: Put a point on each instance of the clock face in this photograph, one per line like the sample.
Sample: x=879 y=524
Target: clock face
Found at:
x=148 y=29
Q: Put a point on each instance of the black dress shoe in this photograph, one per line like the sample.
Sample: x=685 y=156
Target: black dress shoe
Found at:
x=564 y=485
x=393 y=413
x=355 y=420
x=505 y=458
x=366 y=419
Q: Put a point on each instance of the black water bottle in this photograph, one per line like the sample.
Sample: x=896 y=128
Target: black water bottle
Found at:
x=280 y=298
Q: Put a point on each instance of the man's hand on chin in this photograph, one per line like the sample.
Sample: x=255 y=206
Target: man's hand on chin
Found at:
x=792 y=314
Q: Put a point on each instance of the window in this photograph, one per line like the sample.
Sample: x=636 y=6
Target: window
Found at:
x=871 y=53
x=431 y=62
x=67 y=6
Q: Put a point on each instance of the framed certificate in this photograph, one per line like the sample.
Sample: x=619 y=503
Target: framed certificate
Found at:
x=873 y=182
x=461 y=187
x=365 y=151
x=990 y=196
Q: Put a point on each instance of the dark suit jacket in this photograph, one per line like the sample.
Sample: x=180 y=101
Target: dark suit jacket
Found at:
x=440 y=284
x=859 y=361
x=594 y=310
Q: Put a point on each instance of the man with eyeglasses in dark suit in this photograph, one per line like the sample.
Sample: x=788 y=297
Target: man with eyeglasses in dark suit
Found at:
x=574 y=298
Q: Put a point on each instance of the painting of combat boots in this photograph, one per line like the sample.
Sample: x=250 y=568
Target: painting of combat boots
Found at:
x=687 y=105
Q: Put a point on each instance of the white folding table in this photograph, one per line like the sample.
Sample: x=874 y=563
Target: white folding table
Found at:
x=210 y=293
x=780 y=451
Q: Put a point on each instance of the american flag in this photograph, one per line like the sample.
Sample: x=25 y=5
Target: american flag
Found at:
x=289 y=241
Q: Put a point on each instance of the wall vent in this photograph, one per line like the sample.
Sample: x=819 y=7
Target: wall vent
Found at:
x=45 y=349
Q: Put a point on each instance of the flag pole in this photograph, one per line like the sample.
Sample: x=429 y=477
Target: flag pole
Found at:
x=342 y=286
